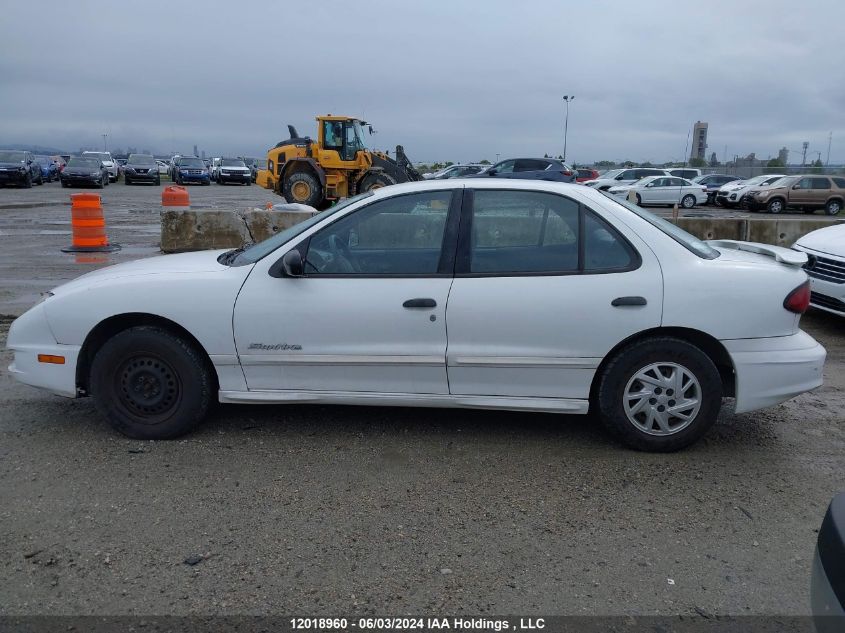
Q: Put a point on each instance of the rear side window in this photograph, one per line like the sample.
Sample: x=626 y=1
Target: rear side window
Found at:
x=530 y=232
x=840 y=182
x=821 y=183
x=530 y=165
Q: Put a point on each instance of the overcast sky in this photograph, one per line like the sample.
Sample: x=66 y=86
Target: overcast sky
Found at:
x=449 y=80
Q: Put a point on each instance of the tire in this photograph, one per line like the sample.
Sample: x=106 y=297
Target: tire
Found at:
x=151 y=384
x=639 y=200
x=304 y=188
x=158 y=181
x=248 y=183
x=178 y=179
x=27 y=182
x=833 y=207
x=776 y=206
x=206 y=183
x=688 y=201
x=375 y=180
x=102 y=183
x=126 y=181
x=40 y=180
x=65 y=184
x=645 y=358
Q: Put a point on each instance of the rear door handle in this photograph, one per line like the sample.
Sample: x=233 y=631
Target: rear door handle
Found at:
x=420 y=303
x=628 y=301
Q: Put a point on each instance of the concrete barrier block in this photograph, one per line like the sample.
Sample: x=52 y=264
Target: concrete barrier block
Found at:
x=201 y=229
x=784 y=232
x=264 y=223
x=714 y=228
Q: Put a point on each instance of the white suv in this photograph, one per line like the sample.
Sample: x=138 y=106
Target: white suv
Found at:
x=618 y=177
x=730 y=194
x=108 y=161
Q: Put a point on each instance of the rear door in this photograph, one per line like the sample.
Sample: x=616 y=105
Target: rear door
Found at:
x=820 y=190
x=531 y=309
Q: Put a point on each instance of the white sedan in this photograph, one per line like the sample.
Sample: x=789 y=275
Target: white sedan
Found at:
x=488 y=294
x=667 y=190
x=825 y=249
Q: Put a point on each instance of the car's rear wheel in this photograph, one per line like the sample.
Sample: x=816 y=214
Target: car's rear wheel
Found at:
x=833 y=207
x=27 y=182
x=639 y=200
x=660 y=394
x=688 y=201
x=151 y=384
x=775 y=206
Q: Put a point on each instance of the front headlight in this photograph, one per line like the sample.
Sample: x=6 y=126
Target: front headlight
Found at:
x=95 y=174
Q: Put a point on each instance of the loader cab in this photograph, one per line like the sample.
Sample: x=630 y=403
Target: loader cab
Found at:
x=345 y=136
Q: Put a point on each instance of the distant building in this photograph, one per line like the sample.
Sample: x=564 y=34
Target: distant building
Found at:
x=699 y=140
x=783 y=156
x=195 y=151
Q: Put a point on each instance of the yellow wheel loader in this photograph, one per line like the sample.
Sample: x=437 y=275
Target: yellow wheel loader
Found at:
x=336 y=165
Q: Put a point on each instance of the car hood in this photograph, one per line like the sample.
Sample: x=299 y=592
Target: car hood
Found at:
x=734 y=186
x=830 y=240
x=12 y=165
x=195 y=262
x=80 y=170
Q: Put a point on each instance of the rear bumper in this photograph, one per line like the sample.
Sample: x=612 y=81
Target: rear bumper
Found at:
x=772 y=370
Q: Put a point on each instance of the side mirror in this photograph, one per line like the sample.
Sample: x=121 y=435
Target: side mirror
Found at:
x=796 y=186
x=619 y=177
x=492 y=172
x=292 y=264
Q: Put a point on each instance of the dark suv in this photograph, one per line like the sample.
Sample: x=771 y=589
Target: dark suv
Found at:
x=19 y=167
x=529 y=169
x=141 y=168
x=712 y=183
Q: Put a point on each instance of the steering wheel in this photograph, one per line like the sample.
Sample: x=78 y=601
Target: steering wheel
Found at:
x=341 y=251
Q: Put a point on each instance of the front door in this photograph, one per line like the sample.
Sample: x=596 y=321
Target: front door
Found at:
x=369 y=313
x=802 y=192
x=531 y=309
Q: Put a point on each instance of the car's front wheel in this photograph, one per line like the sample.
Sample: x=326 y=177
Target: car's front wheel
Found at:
x=833 y=207
x=659 y=394
x=775 y=206
x=151 y=384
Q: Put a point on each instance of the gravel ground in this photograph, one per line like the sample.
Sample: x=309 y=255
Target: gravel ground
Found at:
x=328 y=510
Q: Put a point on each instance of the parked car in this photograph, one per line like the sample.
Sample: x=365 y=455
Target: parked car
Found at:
x=85 y=170
x=684 y=172
x=730 y=195
x=807 y=193
x=18 y=167
x=190 y=169
x=255 y=165
x=583 y=175
x=825 y=250
x=162 y=167
x=619 y=177
x=49 y=168
x=827 y=585
x=141 y=168
x=529 y=169
x=215 y=168
x=712 y=183
x=666 y=190
x=233 y=170
x=108 y=161
x=658 y=325
x=456 y=171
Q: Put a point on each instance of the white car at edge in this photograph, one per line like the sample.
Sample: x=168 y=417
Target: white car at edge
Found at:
x=107 y=160
x=663 y=190
x=825 y=249
x=492 y=294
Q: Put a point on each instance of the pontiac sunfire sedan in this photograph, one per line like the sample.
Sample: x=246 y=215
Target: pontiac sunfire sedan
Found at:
x=488 y=294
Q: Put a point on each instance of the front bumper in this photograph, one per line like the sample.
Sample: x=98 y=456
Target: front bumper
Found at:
x=772 y=370
x=194 y=178
x=87 y=180
x=29 y=336
x=234 y=177
x=827 y=280
x=12 y=177
x=150 y=176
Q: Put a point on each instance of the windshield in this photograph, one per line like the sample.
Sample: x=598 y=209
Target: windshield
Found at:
x=84 y=162
x=253 y=253
x=690 y=242
x=783 y=182
x=612 y=173
x=191 y=162
x=12 y=157
x=232 y=162
x=140 y=159
x=359 y=135
x=751 y=181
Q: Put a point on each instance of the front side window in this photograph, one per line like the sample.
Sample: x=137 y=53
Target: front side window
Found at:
x=604 y=248
x=805 y=183
x=402 y=235
x=505 y=167
x=530 y=164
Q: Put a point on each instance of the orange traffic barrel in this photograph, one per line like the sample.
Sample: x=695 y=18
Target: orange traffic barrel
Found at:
x=88 y=225
x=175 y=196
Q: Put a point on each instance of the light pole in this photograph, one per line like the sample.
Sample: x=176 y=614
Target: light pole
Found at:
x=566 y=98
x=105 y=149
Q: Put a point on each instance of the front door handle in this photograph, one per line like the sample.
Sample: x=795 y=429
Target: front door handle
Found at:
x=628 y=301
x=420 y=303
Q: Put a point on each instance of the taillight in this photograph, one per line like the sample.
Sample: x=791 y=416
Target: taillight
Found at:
x=798 y=300
x=566 y=172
